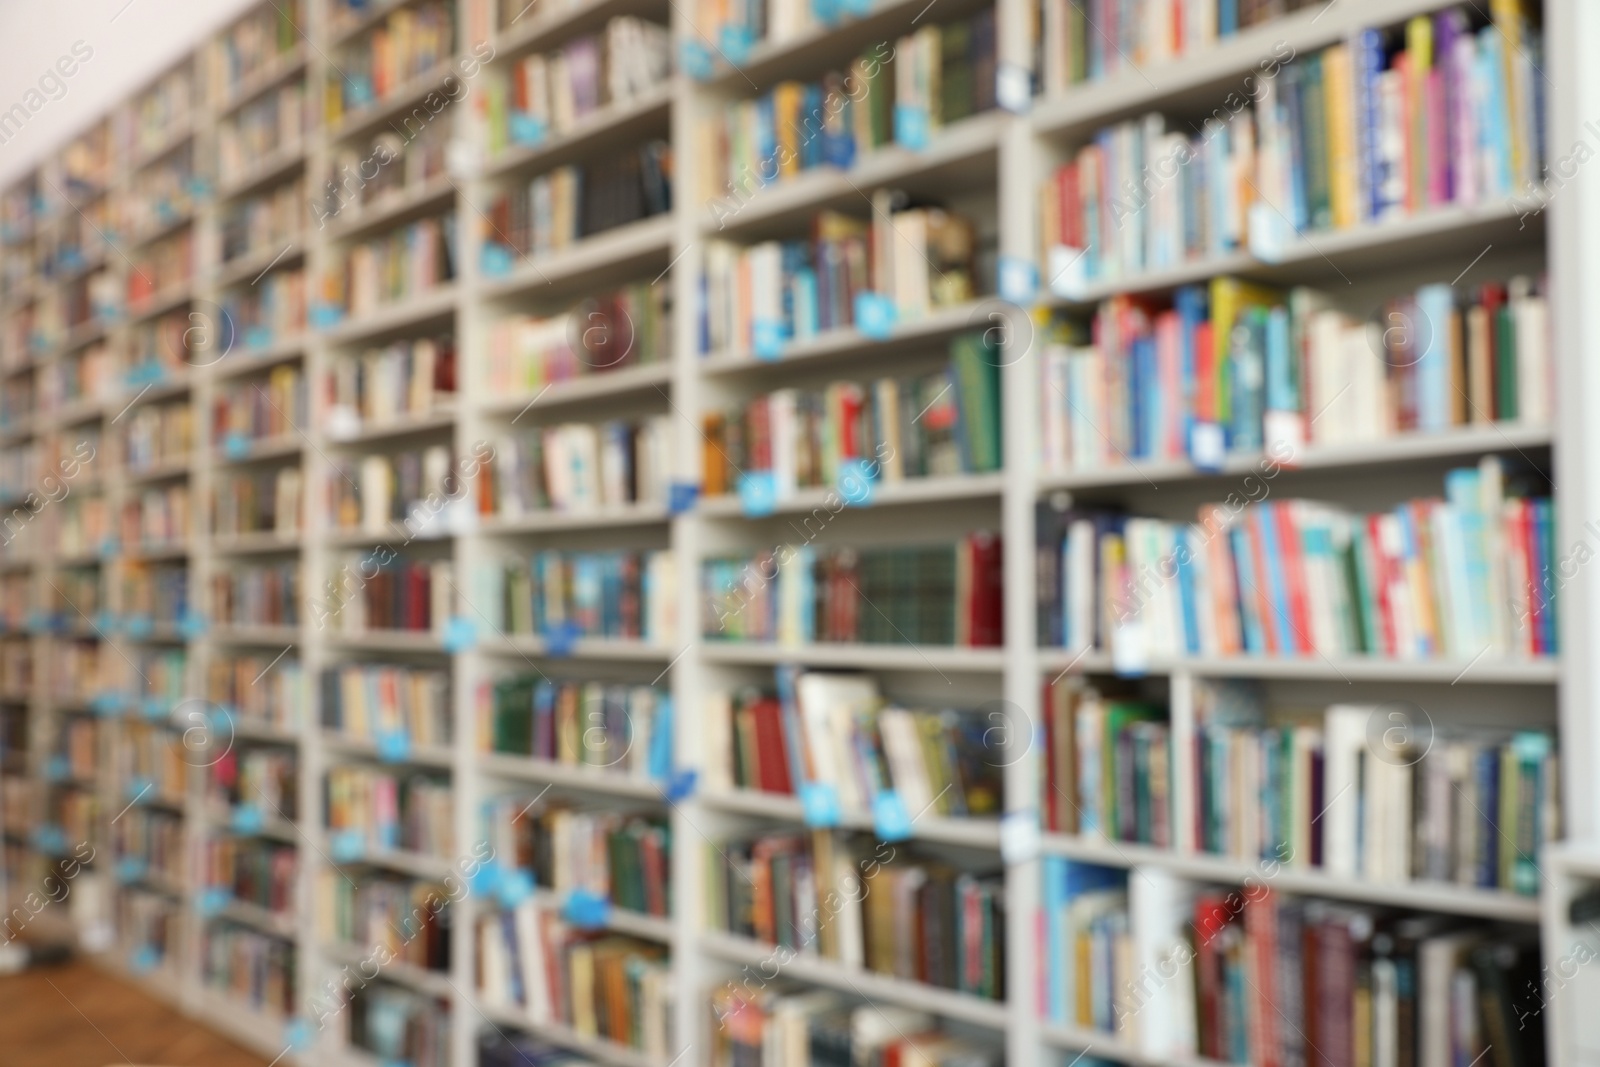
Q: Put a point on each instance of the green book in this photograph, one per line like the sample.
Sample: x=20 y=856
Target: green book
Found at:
x=976 y=363
x=1315 y=135
x=1505 y=364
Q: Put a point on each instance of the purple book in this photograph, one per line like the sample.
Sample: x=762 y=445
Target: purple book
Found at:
x=1448 y=26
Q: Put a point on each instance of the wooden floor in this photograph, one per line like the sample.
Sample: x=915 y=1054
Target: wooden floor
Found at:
x=77 y=1015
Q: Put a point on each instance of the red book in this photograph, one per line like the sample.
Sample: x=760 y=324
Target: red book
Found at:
x=1211 y=916
x=1294 y=574
x=1205 y=373
x=1492 y=295
x=985 y=613
x=1261 y=924
x=772 y=765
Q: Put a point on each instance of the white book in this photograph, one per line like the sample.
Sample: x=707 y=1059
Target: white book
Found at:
x=903 y=749
x=828 y=705
x=661 y=598
x=530 y=944
x=1159 y=906
x=1345 y=739
x=783 y=432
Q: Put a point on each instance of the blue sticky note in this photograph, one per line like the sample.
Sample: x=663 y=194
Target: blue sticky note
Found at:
x=560 y=638
x=856 y=482
x=858 y=8
x=246 y=819
x=495 y=260
x=825 y=11
x=138 y=626
x=460 y=634
x=105 y=703
x=139 y=788
x=108 y=547
x=297 y=1034
x=199 y=186
x=681 y=497
x=680 y=785
x=105 y=621
x=394 y=746
x=154 y=708
x=323 y=316
x=235 y=445
x=486 y=880
x=586 y=910
x=819 y=803
x=1207 y=446
x=514 y=887
x=49 y=838
x=56 y=768
x=130 y=869
x=211 y=901
x=695 y=59
x=527 y=129
x=1018 y=279
x=347 y=846
x=875 y=315
x=143 y=960
x=889 y=818
x=191 y=624
x=257 y=336
x=766 y=337
x=735 y=43
x=910 y=127
x=758 y=494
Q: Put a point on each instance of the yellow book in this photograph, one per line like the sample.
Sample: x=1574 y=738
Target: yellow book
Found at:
x=1343 y=192
x=1510 y=18
x=1419 y=50
x=786 y=103
x=1230 y=296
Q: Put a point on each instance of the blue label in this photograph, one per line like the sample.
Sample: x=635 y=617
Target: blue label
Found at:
x=819 y=802
x=1018 y=280
x=236 y=445
x=681 y=785
x=695 y=59
x=49 y=838
x=257 y=336
x=910 y=127
x=246 y=819
x=586 y=910
x=856 y=481
x=192 y=625
x=560 y=638
x=297 y=1034
x=138 y=626
x=358 y=90
x=527 y=129
x=138 y=788
x=198 y=186
x=875 y=315
x=1207 y=446
x=56 y=768
x=858 y=8
x=514 y=887
x=736 y=42
x=144 y=960
x=758 y=494
x=130 y=869
x=826 y=11
x=325 y=316
x=889 y=819
x=767 y=339
x=348 y=846
x=106 y=703
x=394 y=746
x=36 y=621
x=211 y=901
x=460 y=634
x=486 y=881
x=155 y=708
x=495 y=260
x=146 y=373
x=108 y=547
x=681 y=497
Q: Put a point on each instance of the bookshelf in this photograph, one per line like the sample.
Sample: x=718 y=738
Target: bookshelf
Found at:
x=104 y=214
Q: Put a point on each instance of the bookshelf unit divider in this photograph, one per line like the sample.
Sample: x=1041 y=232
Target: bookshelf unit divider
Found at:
x=1023 y=145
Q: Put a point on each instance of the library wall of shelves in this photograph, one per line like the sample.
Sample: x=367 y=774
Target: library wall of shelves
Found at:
x=466 y=598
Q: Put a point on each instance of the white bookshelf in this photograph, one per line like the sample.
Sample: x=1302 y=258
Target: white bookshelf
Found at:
x=999 y=154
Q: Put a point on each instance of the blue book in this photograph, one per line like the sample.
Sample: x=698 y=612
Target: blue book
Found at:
x=1486 y=774
x=1293 y=103
x=1146 y=394
x=1227 y=17
x=660 y=758
x=1368 y=65
x=1244 y=564
x=1264 y=515
x=1491 y=70
x=1463 y=488
x=1186 y=589
x=1280 y=364
x=1435 y=306
x=1190 y=303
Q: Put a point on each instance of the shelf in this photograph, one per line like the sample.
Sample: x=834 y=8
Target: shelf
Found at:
x=1094 y=1043
x=410 y=313
x=404 y=96
x=606 y=648
x=400 y=425
x=160 y=471
x=260 y=731
x=837 y=344
x=936 y=658
x=416 y=755
x=412 y=863
x=597 y=519
x=264 y=170
x=575 y=265
x=1403 y=448
x=864 y=983
x=260 y=918
x=601 y=385
x=263 y=543
x=970 y=832
x=278 y=69
x=1321 y=668
x=350 y=221
x=1423 y=896
x=618 y=920
x=884 y=494
x=168 y=299
x=608 y=127
x=529 y=33
x=576 y=776
x=256 y=635
x=239 y=361
x=250 y=266
x=387 y=640
x=433 y=983
x=597 y=1048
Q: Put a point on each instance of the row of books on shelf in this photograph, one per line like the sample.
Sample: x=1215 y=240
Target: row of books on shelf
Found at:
x=933 y=594
x=624 y=328
x=579 y=466
x=252 y=870
x=899 y=264
x=78 y=745
x=267 y=221
x=167 y=105
x=836 y=731
x=610 y=856
x=158 y=516
x=158 y=268
x=262 y=777
x=160 y=196
x=826 y=893
x=381 y=168
x=790 y=1025
x=260 y=594
x=278 y=120
x=379 y=808
x=408 y=43
x=252 y=45
x=375 y=702
x=156 y=434
x=624 y=729
x=407 y=917
x=1452 y=577
x=407 y=594
x=404 y=378
x=397 y=1025
x=378 y=493
x=151 y=840
x=1238 y=366
x=1382 y=127
x=551 y=94
x=610 y=987
x=269 y=309
x=557 y=209
x=257 y=689
x=252 y=969
x=401 y=264
x=944 y=422
x=260 y=409
x=260 y=502
x=562 y=595
x=150 y=754
x=159 y=594
x=901 y=93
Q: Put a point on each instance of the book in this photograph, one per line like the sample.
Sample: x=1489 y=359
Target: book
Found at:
x=621 y=729
x=367 y=701
x=563 y=595
x=624 y=328
x=578 y=200
x=378 y=62
x=387 y=809
x=253 y=970
x=257 y=594
x=621 y=858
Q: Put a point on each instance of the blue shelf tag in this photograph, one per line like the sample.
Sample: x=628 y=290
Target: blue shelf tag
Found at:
x=1270 y=233
x=246 y=819
x=49 y=838
x=819 y=803
x=586 y=910
x=758 y=494
x=105 y=704
x=1019 y=836
x=130 y=869
x=143 y=960
x=212 y=901
x=236 y=445
x=348 y=846
x=297 y=1034
x=514 y=887
x=460 y=634
x=826 y=11
x=324 y=316
x=560 y=639
x=138 y=626
x=56 y=769
x=155 y=708
x=855 y=482
x=695 y=59
x=139 y=787
x=257 y=336
x=1018 y=280
x=735 y=43
x=495 y=260
x=1207 y=448
x=108 y=547
x=890 y=820
x=857 y=8
x=680 y=785
x=191 y=625
x=910 y=127
x=681 y=497
x=394 y=746
x=875 y=315
x=198 y=186
x=147 y=373
x=527 y=129
x=358 y=88
x=486 y=881
x=766 y=337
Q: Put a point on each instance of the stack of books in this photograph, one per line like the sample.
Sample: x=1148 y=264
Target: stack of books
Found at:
x=396 y=1025
x=365 y=175
x=563 y=594
x=375 y=493
x=1107 y=764
x=367 y=701
x=268 y=309
x=408 y=918
x=159 y=594
x=257 y=594
x=157 y=434
x=253 y=44
x=571 y=202
x=621 y=858
x=253 y=870
x=277 y=121
x=261 y=502
x=152 y=839
x=269 y=220
x=257 y=775
x=781 y=1026
x=624 y=328
x=258 y=688
x=1087 y=944
x=158 y=517
x=404 y=378
x=160 y=267
x=940 y=594
x=579 y=466
x=405 y=594
x=385 y=809
x=624 y=729
x=244 y=410
x=396 y=266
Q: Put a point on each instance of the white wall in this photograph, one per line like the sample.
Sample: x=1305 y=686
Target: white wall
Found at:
x=131 y=41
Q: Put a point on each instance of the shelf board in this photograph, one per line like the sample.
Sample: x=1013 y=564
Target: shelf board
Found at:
x=544 y=30
x=603 y=648
x=159 y=471
x=394 y=859
x=643 y=377
x=410 y=93
x=1402 y=448
x=441 y=418
x=262 y=543
x=607 y=127
x=416 y=755
x=970 y=832
x=884 y=494
x=250 y=266
x=240 y=361
x=938 y=658
x=352 y=221
x=433 y=983
x=1111 y=1047
x=1420 y=895
x=834 y=344
x=387 y=640
x=249 y=634
x=596 y=1048
x=618 y=920
x=576 y=776
x=159 y=303
x=260 y=731
x=596 y=519
x=278 y=69
x=409 y=313
x=1322 y=668
x=260 y=918
x=868 y=984
x=264 y=170
x=574 y=265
